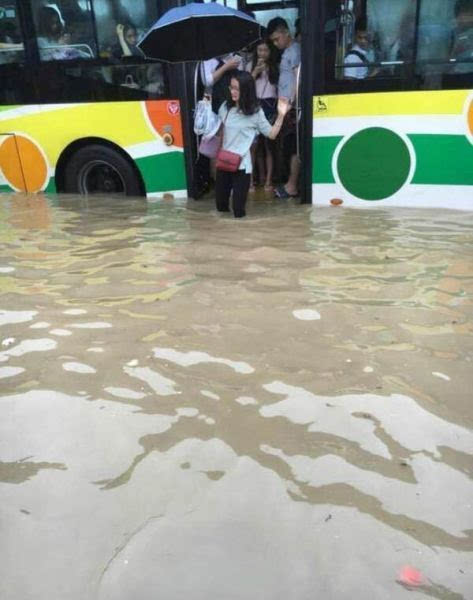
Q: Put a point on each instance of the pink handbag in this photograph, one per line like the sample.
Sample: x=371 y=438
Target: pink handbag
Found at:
x=211 y=145
x=228 y=161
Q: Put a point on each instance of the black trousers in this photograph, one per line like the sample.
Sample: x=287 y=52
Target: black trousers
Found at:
x=225 y=182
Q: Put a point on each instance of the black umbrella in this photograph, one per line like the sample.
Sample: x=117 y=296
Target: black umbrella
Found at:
x=199 y=32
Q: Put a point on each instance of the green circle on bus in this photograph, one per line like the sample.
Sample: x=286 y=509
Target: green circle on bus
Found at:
x=374 y=163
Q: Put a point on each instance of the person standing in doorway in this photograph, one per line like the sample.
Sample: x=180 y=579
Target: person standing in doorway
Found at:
x=278 y=32
x=243 y=119
x=264 y=69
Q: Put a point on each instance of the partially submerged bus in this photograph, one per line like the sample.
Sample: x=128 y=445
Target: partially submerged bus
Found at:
x=384 y=102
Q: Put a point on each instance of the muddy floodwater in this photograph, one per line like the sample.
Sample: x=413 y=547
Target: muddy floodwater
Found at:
x=195 y=407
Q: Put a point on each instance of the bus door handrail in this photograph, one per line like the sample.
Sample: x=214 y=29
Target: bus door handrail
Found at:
x=298 y=110
x=196 y=84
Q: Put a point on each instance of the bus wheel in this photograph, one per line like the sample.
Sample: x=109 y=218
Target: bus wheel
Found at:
x=101 y=170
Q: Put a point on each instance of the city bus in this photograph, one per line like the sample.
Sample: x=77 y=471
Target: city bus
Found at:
x=384 y=101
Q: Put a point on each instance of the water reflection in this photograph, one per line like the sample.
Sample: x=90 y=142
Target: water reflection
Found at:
x=180 y=381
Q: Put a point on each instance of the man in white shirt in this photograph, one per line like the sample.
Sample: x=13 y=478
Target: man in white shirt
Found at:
x=278 y=33
x=361 y=54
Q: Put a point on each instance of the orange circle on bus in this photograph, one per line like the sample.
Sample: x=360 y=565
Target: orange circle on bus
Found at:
x=165 y=117
x=28 y=174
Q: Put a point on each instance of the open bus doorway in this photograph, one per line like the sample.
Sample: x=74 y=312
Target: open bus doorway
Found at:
x=199 y=171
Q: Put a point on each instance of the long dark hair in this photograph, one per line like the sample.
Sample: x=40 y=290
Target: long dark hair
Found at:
x=248 y=103
x=273 y=61
x=45 y=17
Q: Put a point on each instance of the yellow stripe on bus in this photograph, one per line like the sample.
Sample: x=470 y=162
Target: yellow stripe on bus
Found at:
x=441 y=102
x=120 y=122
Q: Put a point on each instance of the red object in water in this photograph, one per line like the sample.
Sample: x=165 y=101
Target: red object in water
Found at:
x=410 y=576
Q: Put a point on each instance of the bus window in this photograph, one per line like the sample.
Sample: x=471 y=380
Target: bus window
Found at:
x=11 y=43
x=146 y=81
x=393 y=28
x=64 y=30
x=368 y=39
x=445 y=37
x=371 y=39
x=462 y=42
x=121 y=23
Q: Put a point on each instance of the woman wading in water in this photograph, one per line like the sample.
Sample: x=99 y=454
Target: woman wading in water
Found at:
x=243 y=119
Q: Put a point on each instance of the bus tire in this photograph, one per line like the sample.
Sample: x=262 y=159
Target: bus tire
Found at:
x=98 y=169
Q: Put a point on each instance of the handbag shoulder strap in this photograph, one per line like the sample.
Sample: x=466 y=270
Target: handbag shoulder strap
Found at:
x=223 y=127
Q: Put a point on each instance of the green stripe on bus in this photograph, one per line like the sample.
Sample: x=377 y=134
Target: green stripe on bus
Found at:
x=163 y=172
x=51 y=187
x=443 y=159
x=323 y=149
x=5 y=188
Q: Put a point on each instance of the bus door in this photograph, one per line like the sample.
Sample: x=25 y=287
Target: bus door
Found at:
x=189 y=89
x=286 y=145
x=263 y=10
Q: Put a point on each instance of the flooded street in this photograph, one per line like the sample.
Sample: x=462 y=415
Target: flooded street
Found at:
x=195 y=407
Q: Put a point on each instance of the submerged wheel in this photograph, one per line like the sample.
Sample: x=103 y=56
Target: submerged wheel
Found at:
x=101 y=170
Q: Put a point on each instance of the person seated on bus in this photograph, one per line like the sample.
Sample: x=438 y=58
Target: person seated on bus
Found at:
x=53 y=41
x=462 y=49
x=215 y=74
x=10 y=45
x=154 y=80
x=359 y=58
x=126 y=44
x=278 y=32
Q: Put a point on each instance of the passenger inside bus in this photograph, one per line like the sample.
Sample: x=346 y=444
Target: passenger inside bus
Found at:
x=154 y=80
x=10 y=44
x=361 y=56
x=54 y=42
x=279 y=34
x=127 y=38
x=462 y=49
x=264 y=68
x=403 y=47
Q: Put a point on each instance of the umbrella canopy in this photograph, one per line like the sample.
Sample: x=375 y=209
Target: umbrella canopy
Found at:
x=199 y=32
